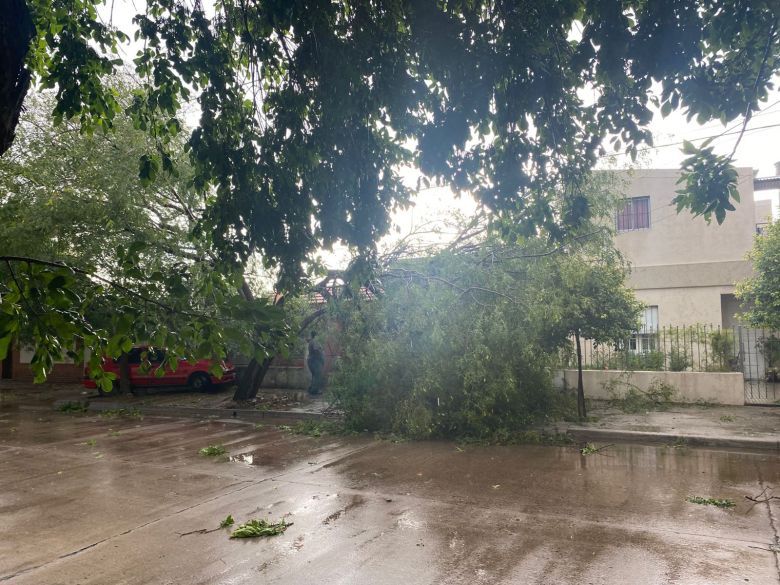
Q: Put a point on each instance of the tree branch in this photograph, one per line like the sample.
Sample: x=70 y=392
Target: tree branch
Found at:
x=749 y=107
x=111 y=283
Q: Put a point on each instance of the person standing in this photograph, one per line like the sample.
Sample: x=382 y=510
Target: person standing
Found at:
x=315 y=360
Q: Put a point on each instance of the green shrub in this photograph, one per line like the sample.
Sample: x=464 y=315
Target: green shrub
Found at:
x=721 y=357
x=424 y=360
x=679 y=361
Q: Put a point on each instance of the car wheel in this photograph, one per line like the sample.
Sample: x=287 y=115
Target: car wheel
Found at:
x=138 y=391
x=199 y=382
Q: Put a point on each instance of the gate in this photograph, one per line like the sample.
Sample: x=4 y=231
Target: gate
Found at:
x=758 y=355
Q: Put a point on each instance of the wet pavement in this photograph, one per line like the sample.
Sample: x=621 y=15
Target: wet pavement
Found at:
x=100 y=500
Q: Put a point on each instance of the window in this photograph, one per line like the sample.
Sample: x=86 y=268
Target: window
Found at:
x=644 y=340
x=635 y=214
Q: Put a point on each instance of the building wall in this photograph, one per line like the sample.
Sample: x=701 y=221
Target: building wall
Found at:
x=689 y=387
x=61 y=373
x=686 y=306
x=681 y=263
x=681 y=238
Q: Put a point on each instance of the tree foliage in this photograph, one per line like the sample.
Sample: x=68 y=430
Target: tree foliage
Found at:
x=308 y=107
x=760 y=295
x=463 y=340
x=91 y=258
x=586 y=298
x=440 y=353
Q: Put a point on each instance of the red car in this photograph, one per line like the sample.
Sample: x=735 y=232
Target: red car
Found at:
x=193 y=374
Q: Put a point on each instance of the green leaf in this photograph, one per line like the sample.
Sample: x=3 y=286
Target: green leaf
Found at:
x=689 y=148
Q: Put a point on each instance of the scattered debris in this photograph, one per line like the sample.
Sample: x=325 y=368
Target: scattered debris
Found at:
x=590 y=448
x=213 y=451
x=228 y=521
x=762 y=498
x=76 y=407
x=719 y=503
x=121 y=413
x=255 y=528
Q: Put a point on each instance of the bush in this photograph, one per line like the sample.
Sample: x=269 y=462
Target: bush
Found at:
x=721 y=358
x=679 y=361
x=424 y=360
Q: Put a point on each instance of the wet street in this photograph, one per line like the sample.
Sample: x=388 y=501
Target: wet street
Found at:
x=97 y=500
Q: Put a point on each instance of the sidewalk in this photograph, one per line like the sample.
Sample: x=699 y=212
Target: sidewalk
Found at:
x=177 y=402
x=738 y=427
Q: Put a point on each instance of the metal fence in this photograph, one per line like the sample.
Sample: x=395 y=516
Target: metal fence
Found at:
x=697 y=348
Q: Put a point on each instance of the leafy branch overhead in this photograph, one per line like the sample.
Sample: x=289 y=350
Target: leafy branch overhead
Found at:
x=308 y=111
x=308 y=108
x=98 y=259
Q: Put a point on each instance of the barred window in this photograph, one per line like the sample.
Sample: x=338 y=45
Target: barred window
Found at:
x=635 y=214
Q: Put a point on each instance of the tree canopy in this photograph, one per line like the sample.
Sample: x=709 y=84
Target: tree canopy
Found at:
x=760 y=295
x=461 y=339
x=308 y=110
x=92 y=256
x=309 y=107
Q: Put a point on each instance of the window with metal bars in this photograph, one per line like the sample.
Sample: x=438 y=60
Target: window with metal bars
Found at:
x=635 y=214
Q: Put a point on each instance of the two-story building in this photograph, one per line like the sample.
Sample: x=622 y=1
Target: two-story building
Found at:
x=683 y=268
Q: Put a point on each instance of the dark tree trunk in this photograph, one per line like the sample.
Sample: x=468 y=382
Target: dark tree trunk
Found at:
x=251 y=379
x=16 y=32
x=253 y=376
x=580 y=387
x=124 y=374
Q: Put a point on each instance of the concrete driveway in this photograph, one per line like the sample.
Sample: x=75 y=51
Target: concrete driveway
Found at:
x=99 y=500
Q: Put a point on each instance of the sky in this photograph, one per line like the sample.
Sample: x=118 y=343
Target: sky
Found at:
x=759 y=148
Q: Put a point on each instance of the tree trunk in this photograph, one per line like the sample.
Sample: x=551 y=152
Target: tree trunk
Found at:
x=124 y=374
x=253 y=376
x=580 y=387
x=16 y=32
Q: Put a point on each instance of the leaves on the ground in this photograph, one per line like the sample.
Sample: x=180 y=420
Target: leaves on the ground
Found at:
x=73 y=407
x=590 y=448
x=213 y=451
x=720 y=503
x=228 y=521
x=255 y=528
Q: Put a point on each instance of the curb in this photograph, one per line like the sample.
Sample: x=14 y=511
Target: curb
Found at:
x=623 y=436
x=195 y=412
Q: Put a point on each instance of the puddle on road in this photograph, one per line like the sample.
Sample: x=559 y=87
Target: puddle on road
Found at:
x=248 y=458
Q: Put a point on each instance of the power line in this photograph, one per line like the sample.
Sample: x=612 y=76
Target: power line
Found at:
x=678 y=143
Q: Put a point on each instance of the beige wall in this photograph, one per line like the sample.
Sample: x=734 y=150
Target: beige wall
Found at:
x=686 y=306
x=681 y=263
x=715 y=387
x=681 y=238
x=763 y=210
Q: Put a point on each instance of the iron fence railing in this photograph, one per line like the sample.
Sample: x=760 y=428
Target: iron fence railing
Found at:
x=698 y=348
